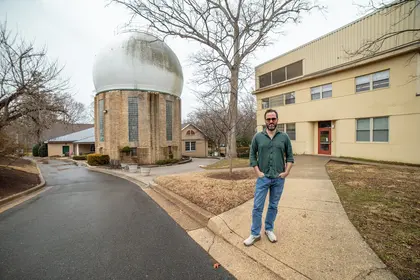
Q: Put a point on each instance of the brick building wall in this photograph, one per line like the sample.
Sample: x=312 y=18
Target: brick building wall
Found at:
x=152 y=144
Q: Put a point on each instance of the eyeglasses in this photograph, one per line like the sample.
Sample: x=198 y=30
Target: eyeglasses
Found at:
x=271 y=119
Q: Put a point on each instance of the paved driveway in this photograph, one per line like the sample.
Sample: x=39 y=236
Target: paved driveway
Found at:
x=90 y=225
x=192 y=166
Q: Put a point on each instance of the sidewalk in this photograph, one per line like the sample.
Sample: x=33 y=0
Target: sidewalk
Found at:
x=316 y=240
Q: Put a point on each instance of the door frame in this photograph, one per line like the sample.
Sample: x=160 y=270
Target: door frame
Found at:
x=62 y=149
x=320 y=151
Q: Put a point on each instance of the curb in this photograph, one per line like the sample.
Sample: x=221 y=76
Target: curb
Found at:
x=128 y=178
x=386 y=164
x=31 y=190
x=217 y=226
x=197 y=213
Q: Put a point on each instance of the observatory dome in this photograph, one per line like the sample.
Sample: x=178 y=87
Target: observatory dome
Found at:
x=137 y=61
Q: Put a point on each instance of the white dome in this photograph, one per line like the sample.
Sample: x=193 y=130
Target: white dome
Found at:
x=138 y=61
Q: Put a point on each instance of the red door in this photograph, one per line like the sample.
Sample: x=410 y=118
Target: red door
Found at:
x=324 y=140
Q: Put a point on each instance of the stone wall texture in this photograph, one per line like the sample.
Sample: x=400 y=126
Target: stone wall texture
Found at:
x=152 y=144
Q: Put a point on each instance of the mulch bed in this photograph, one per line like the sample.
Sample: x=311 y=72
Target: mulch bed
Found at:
x=14 y=178
x=14 y=181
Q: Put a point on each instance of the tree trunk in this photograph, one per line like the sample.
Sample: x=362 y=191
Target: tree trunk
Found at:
x=233 y=102
x=233 y=110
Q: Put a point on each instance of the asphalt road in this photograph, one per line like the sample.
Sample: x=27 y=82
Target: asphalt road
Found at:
x=90 y=225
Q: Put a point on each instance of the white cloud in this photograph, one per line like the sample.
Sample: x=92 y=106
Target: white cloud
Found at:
x=74 y=31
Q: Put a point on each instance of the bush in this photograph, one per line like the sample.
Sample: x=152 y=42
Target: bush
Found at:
x=43 y=150
x=126 y=149
x=97 y=159
x=79 y=157
x=166 y=161
x=243 y=152
x=35 y=150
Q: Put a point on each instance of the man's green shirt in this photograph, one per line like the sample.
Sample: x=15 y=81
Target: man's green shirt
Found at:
x=271 y=154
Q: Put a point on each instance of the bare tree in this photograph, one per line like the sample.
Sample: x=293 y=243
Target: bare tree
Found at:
x=30 y=85
x=214 y=114
x=229 y=31
x=372 y=46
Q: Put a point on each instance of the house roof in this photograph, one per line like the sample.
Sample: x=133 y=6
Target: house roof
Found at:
x=79 y=136
x=187 y=125
x=59 y=129
x=90 y=139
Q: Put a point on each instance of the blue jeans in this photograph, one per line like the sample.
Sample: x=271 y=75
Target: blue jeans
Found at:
x=261 y=188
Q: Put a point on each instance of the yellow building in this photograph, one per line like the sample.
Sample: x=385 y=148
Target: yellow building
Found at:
x=331 y=101
x=194 y=142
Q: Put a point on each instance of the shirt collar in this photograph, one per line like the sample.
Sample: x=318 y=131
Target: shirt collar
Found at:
x=265 y=132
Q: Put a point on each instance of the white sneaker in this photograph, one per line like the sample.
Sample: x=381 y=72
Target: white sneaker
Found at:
x=271 y=236
x=251 y=240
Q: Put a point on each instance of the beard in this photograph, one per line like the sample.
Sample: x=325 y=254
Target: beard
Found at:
x=271 y=126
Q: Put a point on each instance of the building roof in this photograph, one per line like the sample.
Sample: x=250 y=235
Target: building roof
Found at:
x=88 y=140
x=373 y=13
x=59 y=129
x=345 y=47
x=82 y=135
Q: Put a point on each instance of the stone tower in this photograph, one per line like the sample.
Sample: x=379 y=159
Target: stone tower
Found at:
x=138 y=81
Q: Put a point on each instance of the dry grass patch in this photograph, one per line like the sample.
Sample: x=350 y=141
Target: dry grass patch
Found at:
x=214 y=191
x=383 y=203
x=225 y=163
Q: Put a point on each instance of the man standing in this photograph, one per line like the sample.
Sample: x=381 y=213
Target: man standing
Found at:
x=270 y=150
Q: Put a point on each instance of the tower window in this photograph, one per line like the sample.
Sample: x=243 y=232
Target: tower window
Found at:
x=169 y=107
x=101 y=120
x=133 y=119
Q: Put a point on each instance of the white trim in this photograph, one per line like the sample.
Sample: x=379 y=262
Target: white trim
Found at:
x=190 y=150
x=371 y=130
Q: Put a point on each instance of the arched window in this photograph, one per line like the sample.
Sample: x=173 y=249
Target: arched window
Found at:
x=190 y=132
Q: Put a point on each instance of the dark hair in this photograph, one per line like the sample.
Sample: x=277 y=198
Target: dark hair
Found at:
x=271 y=111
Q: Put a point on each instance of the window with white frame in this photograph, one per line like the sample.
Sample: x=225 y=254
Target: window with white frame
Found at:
x=190 y=146
x=290 y=98
x=289 y=128
x=372 y=81
x=278 y=100
x=372 y=130
x=321 y=92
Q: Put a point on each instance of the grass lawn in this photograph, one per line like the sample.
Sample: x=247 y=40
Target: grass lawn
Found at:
x=224 y=163
x=383 y=203
x=215 y=191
